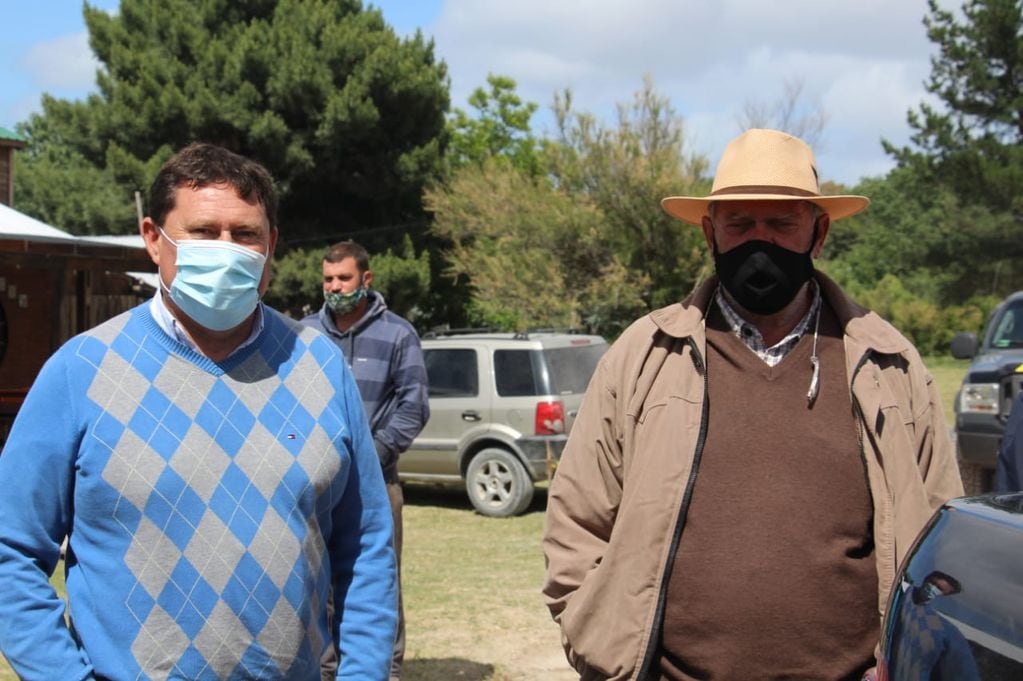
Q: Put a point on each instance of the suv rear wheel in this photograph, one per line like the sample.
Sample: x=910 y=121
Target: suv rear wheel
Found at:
x=498 y=484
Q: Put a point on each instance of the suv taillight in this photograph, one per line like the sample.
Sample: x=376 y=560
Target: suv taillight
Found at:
x=550 y=418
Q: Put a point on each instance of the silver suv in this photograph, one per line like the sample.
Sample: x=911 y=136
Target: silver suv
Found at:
x=501 y=407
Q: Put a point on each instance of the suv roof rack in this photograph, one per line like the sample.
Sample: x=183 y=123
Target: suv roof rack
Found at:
x=440 y=331
x=524 y=335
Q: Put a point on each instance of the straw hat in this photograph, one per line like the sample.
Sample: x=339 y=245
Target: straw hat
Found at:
x=763 y=165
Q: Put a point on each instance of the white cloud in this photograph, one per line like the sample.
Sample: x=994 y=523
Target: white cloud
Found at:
x=863 y=61
x=64 y=63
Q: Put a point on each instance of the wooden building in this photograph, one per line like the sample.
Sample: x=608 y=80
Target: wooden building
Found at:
x=54 y=285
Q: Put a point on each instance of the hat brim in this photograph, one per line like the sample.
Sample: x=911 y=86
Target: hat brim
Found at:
x=691 y=209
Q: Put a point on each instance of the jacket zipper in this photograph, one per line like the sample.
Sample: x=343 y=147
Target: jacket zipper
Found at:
x=683 y=511
x=859 y=412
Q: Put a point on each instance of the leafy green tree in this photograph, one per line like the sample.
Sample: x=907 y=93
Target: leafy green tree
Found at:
x=498 y=222
x=497 y=129
x=585 y=240
x=974 y=143
x=296 y=286
x=929 y=325
x=922 y=234
x=404 y=280
x=972 y=146
x=347 y=116
x=625 y=171
x=531 y=255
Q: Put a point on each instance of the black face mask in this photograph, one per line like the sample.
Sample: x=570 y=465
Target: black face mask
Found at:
x=761 y=276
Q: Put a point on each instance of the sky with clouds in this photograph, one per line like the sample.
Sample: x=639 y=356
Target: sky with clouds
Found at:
x=864 y=62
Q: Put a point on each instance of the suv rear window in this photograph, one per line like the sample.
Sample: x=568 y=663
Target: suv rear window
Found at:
x=571 y=368
x=555 y=371
x=451 y=372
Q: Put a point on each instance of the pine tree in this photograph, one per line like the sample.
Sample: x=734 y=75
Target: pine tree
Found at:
x=973 y=144
x=347 y=116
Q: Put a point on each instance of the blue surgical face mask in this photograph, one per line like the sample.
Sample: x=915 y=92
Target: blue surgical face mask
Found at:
x=217 y=284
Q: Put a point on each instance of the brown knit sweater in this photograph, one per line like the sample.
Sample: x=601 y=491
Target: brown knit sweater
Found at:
x=774 y=576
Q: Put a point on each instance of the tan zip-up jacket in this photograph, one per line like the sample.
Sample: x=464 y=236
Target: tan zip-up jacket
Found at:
x=616 y=506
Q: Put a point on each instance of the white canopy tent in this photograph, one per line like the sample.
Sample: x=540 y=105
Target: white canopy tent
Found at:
x=16 y=225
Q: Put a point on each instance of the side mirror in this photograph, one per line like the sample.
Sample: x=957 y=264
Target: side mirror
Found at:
x=964 y=345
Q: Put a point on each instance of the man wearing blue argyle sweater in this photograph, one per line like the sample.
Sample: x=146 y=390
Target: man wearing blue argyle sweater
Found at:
x=211 y=464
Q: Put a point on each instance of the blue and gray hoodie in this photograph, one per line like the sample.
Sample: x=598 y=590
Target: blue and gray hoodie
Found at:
x=385 y=356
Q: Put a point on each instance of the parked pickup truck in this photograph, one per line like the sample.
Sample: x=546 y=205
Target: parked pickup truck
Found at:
x=992 y=382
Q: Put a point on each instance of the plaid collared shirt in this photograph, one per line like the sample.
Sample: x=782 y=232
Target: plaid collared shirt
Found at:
x=751 y=337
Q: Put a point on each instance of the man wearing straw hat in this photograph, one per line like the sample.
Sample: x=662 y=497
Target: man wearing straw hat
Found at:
x=749 y=466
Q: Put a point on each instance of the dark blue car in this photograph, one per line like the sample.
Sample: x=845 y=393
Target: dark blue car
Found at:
x=956 y=610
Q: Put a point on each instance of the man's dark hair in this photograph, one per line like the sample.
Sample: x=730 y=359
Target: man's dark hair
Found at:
x=201 y=165
x=348 y=249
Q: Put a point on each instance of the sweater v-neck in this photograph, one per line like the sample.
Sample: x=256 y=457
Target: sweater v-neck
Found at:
x=732 y=349
x=176 y=347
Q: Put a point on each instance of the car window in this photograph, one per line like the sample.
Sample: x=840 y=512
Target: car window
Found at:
x=452 y=372
x=518 y=373
x=1009 y=330
x=571 y=368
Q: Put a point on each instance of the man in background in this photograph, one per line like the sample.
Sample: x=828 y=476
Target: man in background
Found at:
x=384 y=354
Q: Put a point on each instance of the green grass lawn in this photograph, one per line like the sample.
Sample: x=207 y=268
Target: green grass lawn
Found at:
x=948 y=373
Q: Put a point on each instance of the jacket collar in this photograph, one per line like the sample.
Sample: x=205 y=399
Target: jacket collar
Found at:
x=686 y=318
x=860 y=325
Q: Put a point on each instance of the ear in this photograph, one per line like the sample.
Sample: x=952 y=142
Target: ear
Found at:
x=823 y=225
x=151 y=238
x=708 y=232
x=273 y=244
x=367 y=277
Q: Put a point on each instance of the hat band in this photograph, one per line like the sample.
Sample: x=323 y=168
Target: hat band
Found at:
x=764 y=189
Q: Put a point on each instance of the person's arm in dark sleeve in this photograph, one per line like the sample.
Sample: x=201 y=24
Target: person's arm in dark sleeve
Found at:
x=1010 y=454
x=413 y=408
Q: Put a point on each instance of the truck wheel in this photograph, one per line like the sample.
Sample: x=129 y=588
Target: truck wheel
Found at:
x=498 y=484
x=977 y=479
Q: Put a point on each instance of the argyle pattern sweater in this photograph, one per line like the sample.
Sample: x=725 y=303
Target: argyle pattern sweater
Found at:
x=209 y=508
